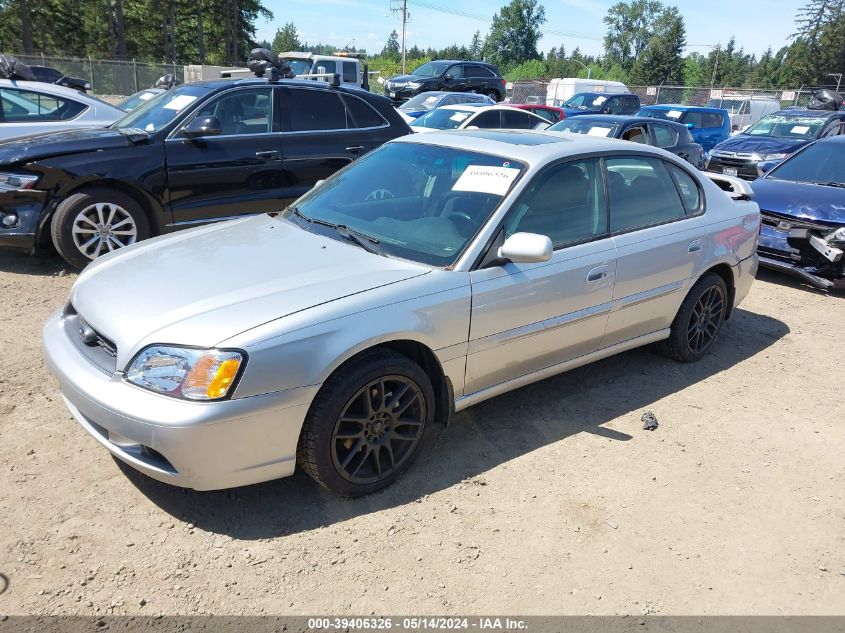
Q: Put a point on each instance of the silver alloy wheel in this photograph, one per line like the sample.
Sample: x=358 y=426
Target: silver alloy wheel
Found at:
x=101 y=228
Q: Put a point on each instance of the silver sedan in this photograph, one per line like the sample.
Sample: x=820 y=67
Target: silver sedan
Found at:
x=436 y=272
x=32 y=107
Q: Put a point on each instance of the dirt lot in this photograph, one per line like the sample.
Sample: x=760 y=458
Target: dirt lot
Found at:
x=548 y=500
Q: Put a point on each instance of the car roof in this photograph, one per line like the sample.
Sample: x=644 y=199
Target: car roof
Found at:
x=622 y=118
x=530 y=146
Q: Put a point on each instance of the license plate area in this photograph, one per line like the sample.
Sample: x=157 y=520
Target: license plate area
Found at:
x=729 y=171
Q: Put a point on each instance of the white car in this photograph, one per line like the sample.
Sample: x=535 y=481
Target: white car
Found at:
x=462 y=117
x=31 y=107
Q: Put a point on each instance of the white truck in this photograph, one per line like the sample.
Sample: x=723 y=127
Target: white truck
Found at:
x=559 y=90
x=349 y=67
x=744 y=110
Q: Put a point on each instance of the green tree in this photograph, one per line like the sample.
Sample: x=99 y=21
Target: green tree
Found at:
x=515 y=32
x=630 y=27
x=287 y=39
x=476 y=46
x=661 y=61
x=391 y=48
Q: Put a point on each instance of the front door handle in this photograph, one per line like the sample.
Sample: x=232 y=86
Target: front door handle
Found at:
x=355 y=149
x=596 y=274
x=270 y=153
x=694 y=246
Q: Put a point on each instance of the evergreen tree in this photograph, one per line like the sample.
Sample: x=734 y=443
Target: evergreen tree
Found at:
x=287 y=39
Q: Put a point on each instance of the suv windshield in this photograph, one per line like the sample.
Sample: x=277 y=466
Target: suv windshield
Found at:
x=419 y=202
x=431 y=69
x=780 y=126
x=822 y=163
x=161 y=110
x=442 y=119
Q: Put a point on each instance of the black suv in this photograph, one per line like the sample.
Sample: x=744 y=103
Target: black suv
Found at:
x=195 y=154
x=46 y=74
x=448 y=75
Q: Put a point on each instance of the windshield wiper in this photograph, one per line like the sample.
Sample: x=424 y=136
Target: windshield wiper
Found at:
x=367 y=242
x=829 y=183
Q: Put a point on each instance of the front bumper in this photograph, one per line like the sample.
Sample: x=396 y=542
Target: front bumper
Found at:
x=199 y=445
x=796 y=255
x=745 y=168
x=24 y=209
x=401 y=94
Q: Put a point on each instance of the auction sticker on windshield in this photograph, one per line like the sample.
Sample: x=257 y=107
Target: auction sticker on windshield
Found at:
x=180 y=102
x=800 y=129
x=598 y=131
x=486 y=179
x=674 y=114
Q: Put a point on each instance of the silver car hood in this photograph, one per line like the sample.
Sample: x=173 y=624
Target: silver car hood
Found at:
x=202 y=286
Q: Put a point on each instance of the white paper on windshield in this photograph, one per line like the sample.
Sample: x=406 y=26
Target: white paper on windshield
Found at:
x=599 y=100
x=430 y=101
x=146 y=96
x=180 y=102
x=459 y=116
x=598 y=131
x=674 y=114
x=800 y=129
x=486 y=179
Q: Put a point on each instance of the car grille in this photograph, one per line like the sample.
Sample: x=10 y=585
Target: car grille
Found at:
x=97 y=348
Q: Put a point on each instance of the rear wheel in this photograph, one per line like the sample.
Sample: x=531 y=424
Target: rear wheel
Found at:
x=95 y=222
x=493 y=95
x=367 y=424
x=699 y=320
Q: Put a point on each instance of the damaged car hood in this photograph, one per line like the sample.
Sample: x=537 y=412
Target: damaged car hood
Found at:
x=38 y=146
x=809 y=201
x=197 y=287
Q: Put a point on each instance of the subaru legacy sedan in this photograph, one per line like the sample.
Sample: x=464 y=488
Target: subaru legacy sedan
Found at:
x=436 y=272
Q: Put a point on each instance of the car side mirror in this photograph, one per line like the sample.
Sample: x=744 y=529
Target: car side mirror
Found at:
x=691 y=126
x=448 y=76
x=202 y=126
x=526 y=248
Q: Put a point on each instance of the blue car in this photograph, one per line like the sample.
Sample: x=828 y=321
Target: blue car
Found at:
x=600 y=103
x=802 y=206
x=415 y=107
x=708 y=126
x=771 y=139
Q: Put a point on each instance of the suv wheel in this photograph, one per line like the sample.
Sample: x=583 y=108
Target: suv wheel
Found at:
x=494 y=95
x=95 y=222
x=367 y=424
x=699 y=320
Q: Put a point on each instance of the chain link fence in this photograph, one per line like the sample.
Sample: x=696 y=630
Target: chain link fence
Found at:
x=107 y=77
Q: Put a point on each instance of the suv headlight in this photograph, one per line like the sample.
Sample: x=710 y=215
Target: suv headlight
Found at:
x=413 y=85
x=16 y=182
x=774 y=156
x=194 y=374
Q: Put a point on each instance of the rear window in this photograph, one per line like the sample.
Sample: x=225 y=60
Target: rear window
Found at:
x=25 y=106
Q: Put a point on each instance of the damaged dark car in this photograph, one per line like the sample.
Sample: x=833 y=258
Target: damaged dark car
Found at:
x=802 y=204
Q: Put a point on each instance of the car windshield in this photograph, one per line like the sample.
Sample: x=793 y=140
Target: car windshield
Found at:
x=130 y=103
x=431 y=69
x=582 y=125
x=161 y=110
x=424 y=101
x=666 y=115
x=821 y=163
x=442 y=119
x=420 y=202
x=298 y=66
x=585 y=100
x=781 y=126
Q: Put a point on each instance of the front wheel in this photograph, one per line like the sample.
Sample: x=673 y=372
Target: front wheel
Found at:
x=367 y=424
x=699 y=320
x=95 y=222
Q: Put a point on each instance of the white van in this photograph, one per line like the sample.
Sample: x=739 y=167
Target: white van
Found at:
x=560 y=90
x=745 y=110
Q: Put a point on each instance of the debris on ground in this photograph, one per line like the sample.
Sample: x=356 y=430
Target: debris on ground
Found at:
x=649 y=421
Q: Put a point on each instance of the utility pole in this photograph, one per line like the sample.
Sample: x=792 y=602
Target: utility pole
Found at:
x=716 y=65
x=400 y=7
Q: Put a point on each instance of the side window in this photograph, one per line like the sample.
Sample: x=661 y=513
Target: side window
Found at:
x=835 y=128
x=630 y=105
x=694 y=118
x=248 y=111
x=361 y=114
x=311 y=110
x=350 y=72
x=325 y=66
x=664 y=136
x=24 y=106
x=515 y=119
x=613 y=105
x=688 y=188
x=641 y=193
x=488 y=120
x=711 y=119
x=546 y=114
x=457 y=71
x=566 y=203
x=635 y=134
x=479 y=71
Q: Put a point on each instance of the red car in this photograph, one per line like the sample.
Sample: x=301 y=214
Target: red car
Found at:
x=550 y=113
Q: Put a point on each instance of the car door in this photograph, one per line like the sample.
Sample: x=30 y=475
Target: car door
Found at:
x=613 y=105
x=526 y=317
x=658 y=229
x=322 y=131
x=237 y=172
x=455 y=78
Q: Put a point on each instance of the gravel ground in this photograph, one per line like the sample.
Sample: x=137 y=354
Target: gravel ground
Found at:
x=548 y=500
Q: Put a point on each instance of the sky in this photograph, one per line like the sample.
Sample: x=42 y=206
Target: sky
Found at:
x=756 y=24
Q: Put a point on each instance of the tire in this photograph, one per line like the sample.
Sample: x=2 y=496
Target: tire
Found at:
x=493 y=95
x=354 y=449
x=86 y=213
x=699 y=320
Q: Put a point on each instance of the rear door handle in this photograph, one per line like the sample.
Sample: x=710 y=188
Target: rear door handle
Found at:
x=355 y=149
x=596 y=274
x=694 y=246
x=270 y=153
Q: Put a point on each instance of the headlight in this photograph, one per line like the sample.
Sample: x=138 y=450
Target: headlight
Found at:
x=195 y=374
x=774 y=156
x=16 y=182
